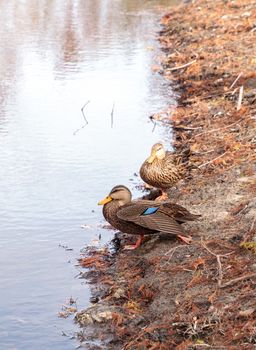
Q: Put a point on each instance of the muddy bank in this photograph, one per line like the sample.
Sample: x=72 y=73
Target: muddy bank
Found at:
x=166 y=295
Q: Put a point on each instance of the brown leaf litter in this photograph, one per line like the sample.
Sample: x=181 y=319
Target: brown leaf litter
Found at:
x=166 y=295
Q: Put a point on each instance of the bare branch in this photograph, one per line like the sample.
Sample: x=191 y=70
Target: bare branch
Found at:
x=112 y=115
x=250 y=232
x=223 y=127
x=238 y=279
x=154 y=122
x=171 y=252
x=220 y=270
x=185 y=128
x=180 y=67
x=240 y=97
x=252 y=226
x=218 y=256
x=212 y=160
x=82 y=110
x=86 y=121
x=234 y=82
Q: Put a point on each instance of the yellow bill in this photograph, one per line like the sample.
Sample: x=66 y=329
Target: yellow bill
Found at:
x=105 y=200
x=151 y=158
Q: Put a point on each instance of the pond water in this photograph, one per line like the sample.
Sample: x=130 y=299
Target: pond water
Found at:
x=55 y=56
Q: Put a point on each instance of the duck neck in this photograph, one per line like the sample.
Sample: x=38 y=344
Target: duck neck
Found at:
x=109 y=212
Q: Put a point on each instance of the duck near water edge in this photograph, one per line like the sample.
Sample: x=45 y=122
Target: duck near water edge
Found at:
x=143 y=217
x=163 y=169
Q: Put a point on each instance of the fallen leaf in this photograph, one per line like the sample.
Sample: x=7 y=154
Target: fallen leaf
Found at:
x=197 y=263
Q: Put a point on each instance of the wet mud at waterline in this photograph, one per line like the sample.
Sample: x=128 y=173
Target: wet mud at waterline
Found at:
x=166 y=295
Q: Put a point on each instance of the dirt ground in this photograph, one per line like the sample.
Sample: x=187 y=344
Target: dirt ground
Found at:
x=166 y=295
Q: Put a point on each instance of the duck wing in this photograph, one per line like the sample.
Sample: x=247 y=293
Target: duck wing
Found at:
x=151 y=217
x=176 y=211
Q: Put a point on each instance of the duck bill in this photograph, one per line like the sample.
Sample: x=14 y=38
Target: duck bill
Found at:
x=151 y=158
x=105 y=200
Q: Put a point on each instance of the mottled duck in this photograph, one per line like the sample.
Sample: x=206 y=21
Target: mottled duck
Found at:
x=162 y=169
x=143 y=217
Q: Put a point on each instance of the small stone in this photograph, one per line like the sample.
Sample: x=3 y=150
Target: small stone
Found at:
x=119 y=293
x=253 y=267
x=97 y=313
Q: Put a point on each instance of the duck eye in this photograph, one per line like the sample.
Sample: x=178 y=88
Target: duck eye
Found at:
x=116 y=190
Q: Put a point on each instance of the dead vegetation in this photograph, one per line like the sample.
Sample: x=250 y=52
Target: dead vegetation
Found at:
x=170 y=296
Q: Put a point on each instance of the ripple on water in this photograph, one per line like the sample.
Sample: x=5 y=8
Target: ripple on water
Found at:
x=54 y=57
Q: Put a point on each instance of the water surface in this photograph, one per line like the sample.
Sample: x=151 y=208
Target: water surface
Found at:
x=55 y=56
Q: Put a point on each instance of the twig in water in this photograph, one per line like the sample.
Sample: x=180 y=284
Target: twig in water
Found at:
x=82 y=110
x=154 y=122
x=112 y=115
x=234 y=82
x=240 y=97
x=86 y=121
x=180 y=67
x=154 y=126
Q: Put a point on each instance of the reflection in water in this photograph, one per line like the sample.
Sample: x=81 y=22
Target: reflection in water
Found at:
x=55 y=56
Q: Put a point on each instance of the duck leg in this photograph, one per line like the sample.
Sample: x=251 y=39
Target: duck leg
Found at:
x=185 y=239
x=163 y=197
x=139 y=241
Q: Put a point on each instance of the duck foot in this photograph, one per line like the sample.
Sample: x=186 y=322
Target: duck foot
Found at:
x=185 y=239
x=139 y=241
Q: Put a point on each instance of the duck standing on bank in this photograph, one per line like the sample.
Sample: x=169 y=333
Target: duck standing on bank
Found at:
x=143 y=217
x=162 y=169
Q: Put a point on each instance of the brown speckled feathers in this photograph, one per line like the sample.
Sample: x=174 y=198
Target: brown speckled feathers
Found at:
x=146 y=217
x=162 y=173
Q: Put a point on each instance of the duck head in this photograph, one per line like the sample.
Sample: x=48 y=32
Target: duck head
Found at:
x=157 y=152
x=120 y=194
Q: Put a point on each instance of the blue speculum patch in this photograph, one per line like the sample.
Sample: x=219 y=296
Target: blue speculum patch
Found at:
x=150 y=210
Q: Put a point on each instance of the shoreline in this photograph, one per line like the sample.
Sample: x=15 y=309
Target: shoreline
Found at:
x=166 y=295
